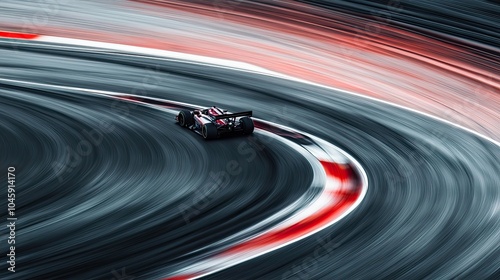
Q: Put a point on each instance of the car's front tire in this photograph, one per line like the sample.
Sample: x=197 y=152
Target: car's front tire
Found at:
x=247 y=125
x=185 y=118
x=209 y=131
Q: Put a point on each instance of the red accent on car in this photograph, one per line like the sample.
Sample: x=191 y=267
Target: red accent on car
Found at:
x=215 y=112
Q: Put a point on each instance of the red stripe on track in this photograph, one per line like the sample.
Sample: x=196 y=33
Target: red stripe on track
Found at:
x=182 y=277
x=341 y=200
x=342 y=172
x=16 y=35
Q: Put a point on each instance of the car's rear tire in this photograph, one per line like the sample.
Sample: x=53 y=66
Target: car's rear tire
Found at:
x=247 y=125
x=209 y=131
x=185 y=118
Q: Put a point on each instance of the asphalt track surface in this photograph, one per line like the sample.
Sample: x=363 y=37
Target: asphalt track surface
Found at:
x=431 y=211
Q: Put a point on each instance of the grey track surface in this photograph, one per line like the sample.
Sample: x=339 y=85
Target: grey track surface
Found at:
x=432 y=208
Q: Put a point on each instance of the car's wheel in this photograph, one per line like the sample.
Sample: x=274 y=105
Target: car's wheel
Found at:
x=247 y=125
x=185 y=118
x=209 y=131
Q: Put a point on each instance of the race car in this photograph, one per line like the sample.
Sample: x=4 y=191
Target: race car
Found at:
x=214 y=122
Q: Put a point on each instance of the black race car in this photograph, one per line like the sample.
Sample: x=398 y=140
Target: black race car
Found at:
x=214 y=122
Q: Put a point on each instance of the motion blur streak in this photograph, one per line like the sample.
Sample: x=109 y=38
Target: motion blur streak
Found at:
x=392 y=50
x=371 y=54
x=109 y=184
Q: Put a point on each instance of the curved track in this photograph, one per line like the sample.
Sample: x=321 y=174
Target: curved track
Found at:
x=431 y=210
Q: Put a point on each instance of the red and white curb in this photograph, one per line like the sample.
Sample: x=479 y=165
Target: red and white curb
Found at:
x=344 y=187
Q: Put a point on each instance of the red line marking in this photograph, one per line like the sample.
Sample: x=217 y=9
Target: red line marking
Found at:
x=341 y=200
x=180 y=277
x=16 y=35
x=342 y=172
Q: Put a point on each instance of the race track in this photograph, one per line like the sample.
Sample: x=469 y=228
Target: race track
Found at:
x=431 y=209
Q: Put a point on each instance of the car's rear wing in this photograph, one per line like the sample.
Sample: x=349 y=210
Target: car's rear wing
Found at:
x=235 y=115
